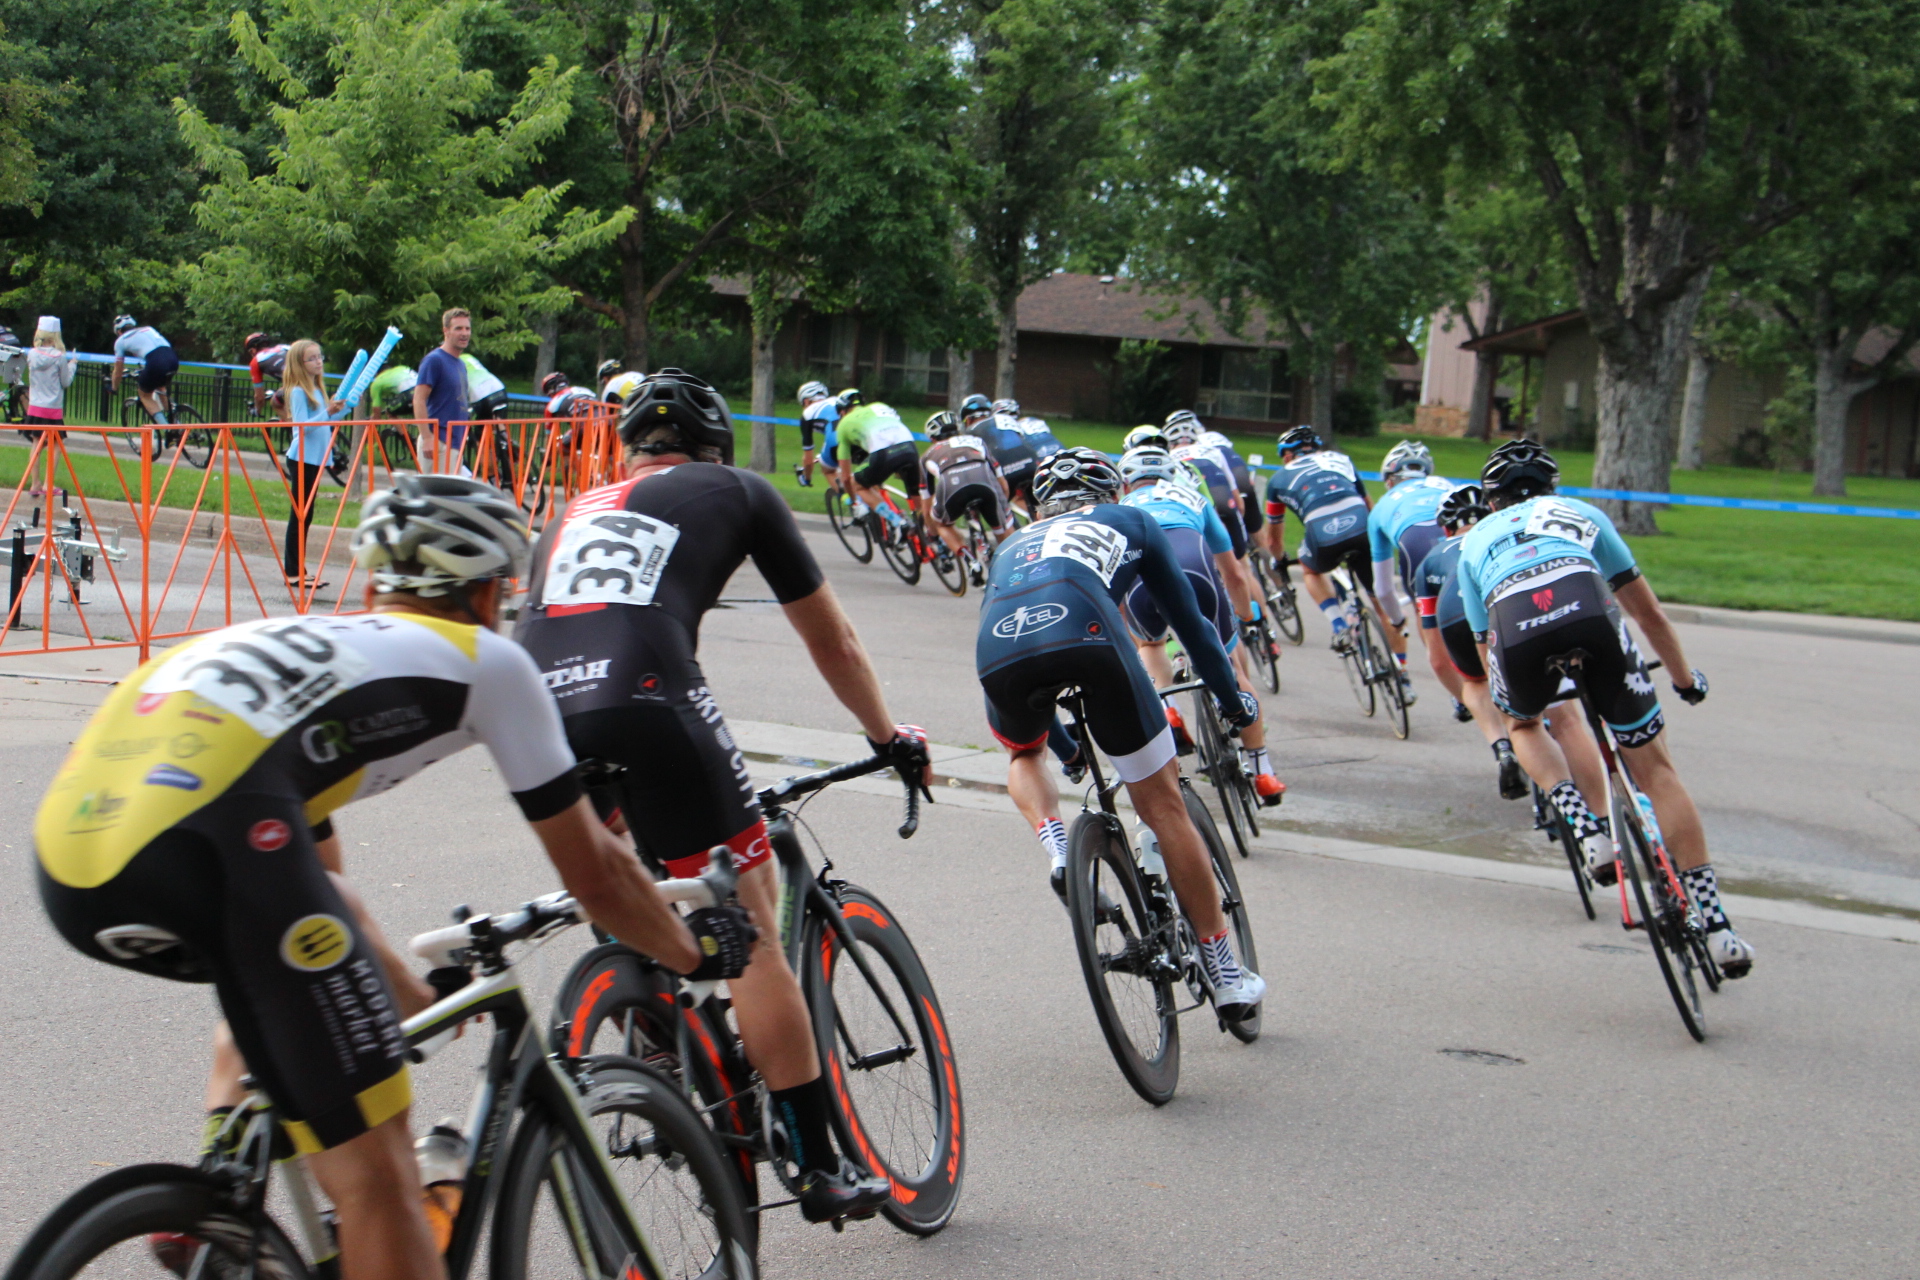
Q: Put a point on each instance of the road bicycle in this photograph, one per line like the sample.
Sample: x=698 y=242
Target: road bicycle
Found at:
x=1263 y=647
x=589 y=1166
x=1372 y=670
x=1667 y=914
x=978 y=544
x=1136 y=946
x=1548 y=819
x=906 y=544
x=885 y=1050
x=1217 y=745
x=854 y=532
x=191 y=442
x=1276 y=588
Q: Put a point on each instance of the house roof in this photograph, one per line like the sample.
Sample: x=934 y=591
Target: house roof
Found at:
x=1530 y=339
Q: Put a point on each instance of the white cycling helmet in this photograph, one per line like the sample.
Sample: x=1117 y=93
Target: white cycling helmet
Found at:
x=811 y=391
x=445 y=530
x=1008 y=406
x=1409 y=457
x=1182 y=428
x=1148 y=462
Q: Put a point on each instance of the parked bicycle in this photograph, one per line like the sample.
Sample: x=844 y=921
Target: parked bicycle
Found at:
x=884 y=1045
x=1371 y=669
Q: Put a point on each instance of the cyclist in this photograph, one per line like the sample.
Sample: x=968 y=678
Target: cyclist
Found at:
x=961 y=476
x=819 y=410
x=486 y=393
x=1039 y=436
x=390 y=394
x=158 y=363
x=205 y=852
x=1155 y=484
x=1401 y=529
x=1243 y=477
x=1051 y=618
x=1544 y=575
x=1320 y=487
x=620 y=584
x=873 y=435
x=1004 y=440
x=564 y=400
x=616 y=382
x=1183 y=441
x=266 y=358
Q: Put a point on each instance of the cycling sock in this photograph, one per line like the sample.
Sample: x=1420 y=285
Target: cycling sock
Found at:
x=216 y=1117
x=1053 y=838
x=1260 y=761
x=1331 y=607
x=1216 y=953
x=1503 y=752
x=1573 y=807
x=1705 y=888
x=803 y=1110
x=163 y=419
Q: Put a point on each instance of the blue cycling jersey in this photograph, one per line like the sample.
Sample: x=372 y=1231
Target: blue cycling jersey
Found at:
x=1174 y=506
x=1408 y=503
x=1532 y=533
x=820 y=415
x=1319 y=479
x=1436 y=585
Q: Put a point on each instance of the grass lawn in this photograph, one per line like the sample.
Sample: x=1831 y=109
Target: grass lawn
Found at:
x=1735 y=559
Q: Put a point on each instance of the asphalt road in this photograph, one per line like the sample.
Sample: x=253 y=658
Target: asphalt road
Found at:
x=1347 y=1142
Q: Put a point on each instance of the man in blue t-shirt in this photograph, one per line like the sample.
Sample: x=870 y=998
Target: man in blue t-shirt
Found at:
x=1545 y=575
x=441 y=393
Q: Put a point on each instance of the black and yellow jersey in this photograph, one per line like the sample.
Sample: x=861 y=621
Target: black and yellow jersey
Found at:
x=324 y=710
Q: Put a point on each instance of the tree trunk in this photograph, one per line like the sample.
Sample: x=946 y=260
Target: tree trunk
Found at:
x=1642 y=361
x=547 y=328
x=1693 y=410
x=1007 y=352
x=764 y=459
x=633 y=291
x=959 y=376
x=1833 y=393
x=1486 y=379
x=1323 y=395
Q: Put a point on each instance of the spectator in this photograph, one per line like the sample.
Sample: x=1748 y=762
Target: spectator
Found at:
x=306 y=403
x=441 y=392
x=49 y=374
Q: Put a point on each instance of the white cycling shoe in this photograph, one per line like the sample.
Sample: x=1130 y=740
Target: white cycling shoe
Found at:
x=1240 y=999
x=1601 y=868
x=1733 y=953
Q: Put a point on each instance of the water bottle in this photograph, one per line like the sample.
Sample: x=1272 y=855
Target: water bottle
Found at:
x=1653 y=823
x=442 y=1157
x=1148 y=845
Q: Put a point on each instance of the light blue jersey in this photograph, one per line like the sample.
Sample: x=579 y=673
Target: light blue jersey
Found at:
x=1175 y=506
x=1532 y=533
x=1408 y=503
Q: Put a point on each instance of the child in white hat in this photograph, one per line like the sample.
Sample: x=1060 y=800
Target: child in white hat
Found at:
x=49 y=374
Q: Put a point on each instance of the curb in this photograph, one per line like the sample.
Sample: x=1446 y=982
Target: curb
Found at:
x=1832 y=627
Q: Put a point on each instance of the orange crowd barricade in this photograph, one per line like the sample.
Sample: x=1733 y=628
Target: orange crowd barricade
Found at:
x=134 y=537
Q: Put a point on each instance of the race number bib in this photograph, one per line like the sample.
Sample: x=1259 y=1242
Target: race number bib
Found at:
x=1174 y=491
x=1095 y=545
x=1338 y=463
x=1558 y=520
x=616 y=557
x=269 y=673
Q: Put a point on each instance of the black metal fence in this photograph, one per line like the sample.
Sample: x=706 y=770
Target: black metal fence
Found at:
x=217 y=393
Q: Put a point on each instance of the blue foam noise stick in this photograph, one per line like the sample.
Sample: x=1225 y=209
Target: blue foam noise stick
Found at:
x=371 y=369
x=353 y=370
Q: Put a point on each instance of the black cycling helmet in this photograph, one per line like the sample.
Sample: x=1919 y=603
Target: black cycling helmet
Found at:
x=1301 y=437
x=1076 y=475
x=1145 y=436
x=675 y=398
x=553 y=382
x=1519 y=469
x=606 y=370
x=255 y=341
x=975 y=406
x=942 y=425
x=1465 y=504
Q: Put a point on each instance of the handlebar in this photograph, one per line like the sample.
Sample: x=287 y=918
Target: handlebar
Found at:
x=1188 y=687
x=807 y=783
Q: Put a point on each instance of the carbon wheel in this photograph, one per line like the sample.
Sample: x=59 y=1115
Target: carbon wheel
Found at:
x=1220 y=762
x=900 y=548
x=1661 y=918
x=1247 y=1030
x=852 y=533
x=1547 y=819
x=1357 y=658
x=1124 y=956
x=951 y=569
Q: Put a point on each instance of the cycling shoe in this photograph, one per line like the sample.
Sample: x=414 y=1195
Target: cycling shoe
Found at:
x=1240 y=999
x=1733 y=953
x=1513 y=779
x=849 y=1193
x=1601 y=868
x=1462 y=712
x=1269 y=788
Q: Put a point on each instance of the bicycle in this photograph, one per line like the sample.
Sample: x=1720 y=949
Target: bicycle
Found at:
x=1276 y=587
x=1667 y=914
x=592 y=1134
x=1548 y=819
x=1371 y=667
x=884 y=1046
x=183 y=435
x=905 y=544
x=1133 y=940
x=1263 y=647
x=1218 y=748
x=853 y=532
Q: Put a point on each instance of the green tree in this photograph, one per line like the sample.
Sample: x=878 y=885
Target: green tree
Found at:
x=388 y=200
x=22 y=103
x=1245 y=205
x=1663 y=136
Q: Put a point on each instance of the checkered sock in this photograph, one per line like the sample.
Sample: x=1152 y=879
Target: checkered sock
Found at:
x=1705 y=888
x=1216 y=953
x=1053 y=837
x=1573 y=807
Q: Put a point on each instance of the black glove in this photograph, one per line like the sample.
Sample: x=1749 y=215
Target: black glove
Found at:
x=726 y=937
x=1696 y=695
x=907 y=750
x=1247 y=713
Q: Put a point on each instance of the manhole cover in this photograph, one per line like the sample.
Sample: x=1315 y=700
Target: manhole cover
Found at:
x=1485 y=1057
x=1612 y=948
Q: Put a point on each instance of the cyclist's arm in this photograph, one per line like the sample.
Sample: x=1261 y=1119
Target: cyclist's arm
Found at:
x=612 y=888
x=1640 y=604
x=1236 y=584
x=1167 y=583
x=1384 y=592
x=841 y=659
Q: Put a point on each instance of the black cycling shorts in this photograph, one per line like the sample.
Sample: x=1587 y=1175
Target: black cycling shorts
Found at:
x=1352 y=552
x=902 y=460
x=1463 y=649
x=1143 y=612
x=1236 y=529
x=686 y=787
x=491 y=405
x=1550 y=611
x=1124 y=713
x=1416 y=541
x=239 y=886
x=951 y=507
x=157 y=370
x=1251 y=513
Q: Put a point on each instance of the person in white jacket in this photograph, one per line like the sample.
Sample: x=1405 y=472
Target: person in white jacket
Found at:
x=49 y=374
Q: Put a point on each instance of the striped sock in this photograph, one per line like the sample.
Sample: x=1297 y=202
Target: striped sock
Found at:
x=1216 y=953
x=1053 y=838
x=1704 y=885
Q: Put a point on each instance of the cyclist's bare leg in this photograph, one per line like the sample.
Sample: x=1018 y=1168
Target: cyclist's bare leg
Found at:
x=1158 y=801
x=1653 y=772
x=1153 y=656
x=1319 y=590
x=774 y=1026
x=374 y=1184
x=1479 y=700
x=1396 y=638
x=1540 y=755
x=1449 y=675
x=949 y=535
x=1567 y=722
x=1032 y=791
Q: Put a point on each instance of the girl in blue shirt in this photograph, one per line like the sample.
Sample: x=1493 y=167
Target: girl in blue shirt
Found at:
x=309 y=410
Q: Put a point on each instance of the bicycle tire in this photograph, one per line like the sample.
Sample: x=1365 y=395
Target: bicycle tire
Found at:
x=123 y=1209
x=1547 y=818
x=948 y=567
x=1266 y=650
x=1285 y=604
x=1393 y=694
x=1676 y=964
x=1354 y=659
x=1219 y=760
x=927 y=1162
x=1247 y=1030
x=197 y=444
x=901 y=551
x=1122 y=940
x=854 y=534
x=698 y=1198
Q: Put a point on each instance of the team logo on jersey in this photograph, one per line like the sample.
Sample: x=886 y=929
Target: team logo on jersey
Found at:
x=125 y=748
x=576 y=673
x=325 y=742
x=148 y=703
x=1339 y=525
x=315 y=943
x=185 y=746
x=172 y=775
x=97 y=811
x=1543 y=599
x=1028 y=619
x=269 y=835
x=649 y=685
